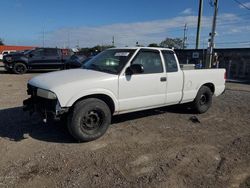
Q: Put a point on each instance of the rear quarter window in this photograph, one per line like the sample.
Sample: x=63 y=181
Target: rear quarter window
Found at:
x=51 y=52
x=170 y=61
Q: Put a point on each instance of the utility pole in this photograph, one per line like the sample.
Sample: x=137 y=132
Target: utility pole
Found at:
x=185 y=36
x=210 y=49
x=113 y=41
x=68 y=38
x=77 y=43
x=199 y=24
x=43 y=37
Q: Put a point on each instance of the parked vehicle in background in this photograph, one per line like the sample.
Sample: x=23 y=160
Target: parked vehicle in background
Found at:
x=38 y=58
x=75 y=61
x=6 y=52
x=118 y=81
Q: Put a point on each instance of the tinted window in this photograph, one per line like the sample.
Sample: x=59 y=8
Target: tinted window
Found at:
x=38 y=52
x=151 y=61
x=170 y=61
x=51 y=52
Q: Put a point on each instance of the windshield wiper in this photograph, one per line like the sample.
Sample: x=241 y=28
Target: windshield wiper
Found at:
x=92 y=67
x=97 y=68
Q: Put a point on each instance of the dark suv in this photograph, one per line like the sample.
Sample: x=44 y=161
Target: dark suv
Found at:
x=38 y=58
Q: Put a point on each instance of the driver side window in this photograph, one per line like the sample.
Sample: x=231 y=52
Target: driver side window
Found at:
x=150 y=60
x=38 y=53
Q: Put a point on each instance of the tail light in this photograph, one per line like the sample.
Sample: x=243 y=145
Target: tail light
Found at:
x=225 y=75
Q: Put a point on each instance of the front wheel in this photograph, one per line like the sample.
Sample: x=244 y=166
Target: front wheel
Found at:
x=89 y=119
x=20 y=68
x=203 y=100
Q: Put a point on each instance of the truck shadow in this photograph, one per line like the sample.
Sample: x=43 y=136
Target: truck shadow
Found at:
x=30 y=72
x=16 y=125
x=179 y=109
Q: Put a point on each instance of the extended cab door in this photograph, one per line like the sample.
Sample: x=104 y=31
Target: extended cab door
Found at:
x=45 y=58
x=174 y=77
x=52 y=58
x=144 y=90
x=35 y=58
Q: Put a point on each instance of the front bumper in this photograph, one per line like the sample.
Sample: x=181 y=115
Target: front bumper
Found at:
x=47 y=108
x=8 y=66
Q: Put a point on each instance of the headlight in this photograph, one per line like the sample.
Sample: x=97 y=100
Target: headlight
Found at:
x=46 y=94
x=9 y=59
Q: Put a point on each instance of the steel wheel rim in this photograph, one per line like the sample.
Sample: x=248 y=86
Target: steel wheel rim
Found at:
x=203 y=99
x=20 y=68
x=92 y=121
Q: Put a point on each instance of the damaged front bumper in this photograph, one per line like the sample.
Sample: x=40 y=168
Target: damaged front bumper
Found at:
x=47 y=108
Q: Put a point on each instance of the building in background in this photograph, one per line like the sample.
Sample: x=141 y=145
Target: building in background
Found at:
x=235 y=60
x=14 y=48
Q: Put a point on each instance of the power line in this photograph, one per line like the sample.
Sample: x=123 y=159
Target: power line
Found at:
x=242 y=4
x=245 y=22
x=233 y=42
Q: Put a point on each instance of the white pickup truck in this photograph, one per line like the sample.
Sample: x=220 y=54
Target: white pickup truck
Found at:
x=118 y=81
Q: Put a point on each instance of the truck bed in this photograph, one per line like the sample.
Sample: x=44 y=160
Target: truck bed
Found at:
x=194 y=79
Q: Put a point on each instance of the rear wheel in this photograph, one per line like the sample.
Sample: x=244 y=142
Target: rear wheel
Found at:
x=89 y=119
x=203 y=100
x=20 y=68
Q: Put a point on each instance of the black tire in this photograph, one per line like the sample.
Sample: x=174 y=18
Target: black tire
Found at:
x=89 y=119
x=203 y=100
x=20 y=68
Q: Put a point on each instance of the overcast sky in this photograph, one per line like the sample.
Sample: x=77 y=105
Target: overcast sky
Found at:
x=88 y=23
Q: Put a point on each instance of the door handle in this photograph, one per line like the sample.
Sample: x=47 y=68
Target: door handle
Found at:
x=163 y=79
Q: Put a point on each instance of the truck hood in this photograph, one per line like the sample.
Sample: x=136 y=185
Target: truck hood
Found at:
x=52 y=81
x=14 y=55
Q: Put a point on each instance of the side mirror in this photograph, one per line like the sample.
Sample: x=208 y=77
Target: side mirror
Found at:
x=31 y=55
x=134 y=69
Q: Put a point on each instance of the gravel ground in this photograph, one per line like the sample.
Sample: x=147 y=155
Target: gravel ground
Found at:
x=154 y=148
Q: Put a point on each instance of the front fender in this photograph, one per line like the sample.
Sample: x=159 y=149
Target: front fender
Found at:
x=70 y=101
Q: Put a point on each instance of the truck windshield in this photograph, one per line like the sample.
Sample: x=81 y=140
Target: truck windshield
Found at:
x=110 y=61
x=27 y=51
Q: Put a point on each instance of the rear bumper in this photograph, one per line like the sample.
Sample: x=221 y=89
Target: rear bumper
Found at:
x=219 y=90
x=223 y=91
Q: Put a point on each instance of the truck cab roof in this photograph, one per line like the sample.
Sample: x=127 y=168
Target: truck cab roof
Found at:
x=147 y=48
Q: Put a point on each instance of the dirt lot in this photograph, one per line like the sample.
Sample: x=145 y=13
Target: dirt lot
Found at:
x=155 y=148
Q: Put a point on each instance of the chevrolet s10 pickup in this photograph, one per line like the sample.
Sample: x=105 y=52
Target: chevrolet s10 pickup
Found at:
x=118 y=81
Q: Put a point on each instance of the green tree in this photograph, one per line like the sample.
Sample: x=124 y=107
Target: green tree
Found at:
x=102 y=47
x=1 y=42
x=176 y=43
x=153 y=45
x=94 y=50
